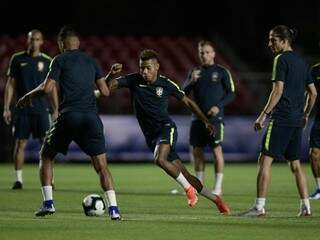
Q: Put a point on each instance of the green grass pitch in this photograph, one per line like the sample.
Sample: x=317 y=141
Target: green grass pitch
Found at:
x=149 y=210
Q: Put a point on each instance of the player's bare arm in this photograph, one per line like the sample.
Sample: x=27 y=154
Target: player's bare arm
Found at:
x=45 y=87
x=275 y=95
x=310 y=100
x=193 y=107
x=8 y=96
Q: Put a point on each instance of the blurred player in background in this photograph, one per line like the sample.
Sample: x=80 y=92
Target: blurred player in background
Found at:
x=315 y=135
x=150 y=94
x=77 y=75
x=212 y=88
x=27 y=69
x=289 y=114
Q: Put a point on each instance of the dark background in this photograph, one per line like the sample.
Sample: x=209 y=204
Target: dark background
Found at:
x=244 y=25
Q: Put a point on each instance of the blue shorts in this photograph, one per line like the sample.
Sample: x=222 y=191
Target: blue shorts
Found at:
x=200 y=136
x=315 y=135
x=86 y=129
x=282 y=142
x=25 y=124
x=166 y=135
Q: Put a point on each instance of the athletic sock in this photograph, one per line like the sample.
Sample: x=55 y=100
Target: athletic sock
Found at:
x=47 y=193
x=200 y=176
x=218 y=182
x=110 y=196
x=260 y=203
x=318 y=183
x=19 y=175
x=183 y=181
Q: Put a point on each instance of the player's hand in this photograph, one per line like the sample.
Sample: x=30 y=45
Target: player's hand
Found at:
x=7 y=116
x=210 y=128
x=213 y=111
x=25 y=101
x=195 y=75
x=259 y=123
x=116 y=68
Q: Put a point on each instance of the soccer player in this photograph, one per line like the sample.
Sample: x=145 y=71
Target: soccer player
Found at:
x=150 y=95
x=282 y=139
x=77 y=75
x=315 y=135
x=212 y=88
x=27 y=69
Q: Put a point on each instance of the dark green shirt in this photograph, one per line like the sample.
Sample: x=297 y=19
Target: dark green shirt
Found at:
x=150 y=101
x=76 y=72
x=292 y=70
x=215 y=87
x=29 y=72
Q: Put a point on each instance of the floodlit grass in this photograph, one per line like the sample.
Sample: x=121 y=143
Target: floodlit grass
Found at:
x=149 y=210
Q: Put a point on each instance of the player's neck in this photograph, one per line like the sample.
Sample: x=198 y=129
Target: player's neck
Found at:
x=33 y=53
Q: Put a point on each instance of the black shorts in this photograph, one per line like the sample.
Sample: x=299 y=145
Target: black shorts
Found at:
x=86 y=129
x=315 y=135
x=200 y=136
x=282 y=142
x=25 y=124
x=166 y=135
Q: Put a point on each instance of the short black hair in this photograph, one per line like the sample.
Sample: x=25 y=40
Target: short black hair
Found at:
x=148 y=54
x=66 y=31
x=205 y=43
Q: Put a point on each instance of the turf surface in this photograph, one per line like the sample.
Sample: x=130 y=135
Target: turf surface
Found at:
x=149 y=210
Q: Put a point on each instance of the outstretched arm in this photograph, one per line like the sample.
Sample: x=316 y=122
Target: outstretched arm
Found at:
x=45 y=87
x=275 y=95
x=193 y=107
x=8 y=96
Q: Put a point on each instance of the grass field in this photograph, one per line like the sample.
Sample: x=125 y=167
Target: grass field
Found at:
x=149 y=210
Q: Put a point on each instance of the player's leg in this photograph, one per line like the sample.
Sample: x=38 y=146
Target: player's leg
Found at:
x=106 y=181
x=47 y=154
x=292 y=154
x=21 y=133
x=315 y=157
x=91 y=140
x=218 y=157
x=201 y=189
x=198 y=141
x=315 y=167
x=18 y=158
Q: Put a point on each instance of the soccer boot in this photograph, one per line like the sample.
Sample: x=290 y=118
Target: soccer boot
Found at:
x=192 y=197
x=17 y=185
x=254 y=212
x=315 y=195
x=47 y=208
x=222 y=206
x=114 y=213
x=304 y=211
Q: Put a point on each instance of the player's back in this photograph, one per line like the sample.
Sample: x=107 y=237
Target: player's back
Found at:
x=76 y=73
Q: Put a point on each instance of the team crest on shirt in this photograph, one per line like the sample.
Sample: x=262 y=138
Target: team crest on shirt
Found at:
x=40 y=66
x=214 y=76
x=159 y=91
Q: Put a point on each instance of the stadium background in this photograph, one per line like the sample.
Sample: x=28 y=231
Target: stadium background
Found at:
x=117 y=31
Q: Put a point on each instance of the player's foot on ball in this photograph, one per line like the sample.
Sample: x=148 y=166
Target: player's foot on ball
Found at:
x=222 y=206
x=47 y=208
x=17 y=185
x=192 y=197
x=114 y=213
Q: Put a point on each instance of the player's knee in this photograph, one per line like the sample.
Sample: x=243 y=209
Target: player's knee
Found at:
x=160 y=161
x=315 y=155
x=21 y=145
x=294 y=166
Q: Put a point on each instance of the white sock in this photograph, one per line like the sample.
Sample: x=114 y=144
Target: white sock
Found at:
x=318 y=182
x=200 y=176
x=305 y=202
x=218 y=182
x=47 y=193
x=207 y=194
x=183 y=181
x=110 y=196
x=19 y=175
x=260 y=203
